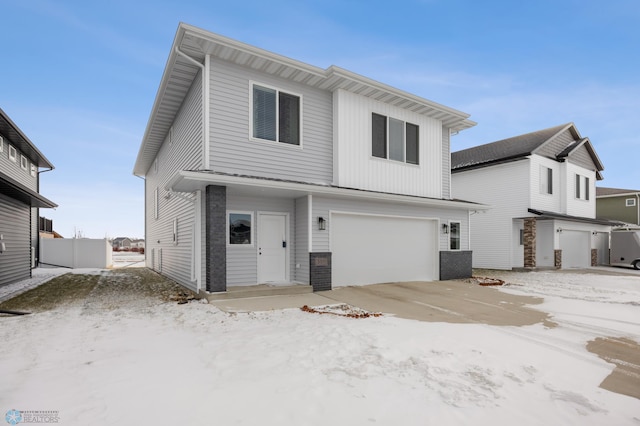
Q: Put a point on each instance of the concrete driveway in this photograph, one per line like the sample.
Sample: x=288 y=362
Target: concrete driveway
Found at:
x=438 y=301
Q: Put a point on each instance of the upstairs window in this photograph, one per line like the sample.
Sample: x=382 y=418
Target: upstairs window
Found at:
x=1 y=144
x=34 y=170
x=582 y=187
x=630 y=202
x=23 y=162
x=13 y=154
x=546 y=180
x=276 y=115
x=394 y=139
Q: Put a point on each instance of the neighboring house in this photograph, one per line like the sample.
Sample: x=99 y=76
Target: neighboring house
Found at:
x=121 y=243
x=45 y=229
x=137 y=243
x=20 y=163
x=541 y=189
x=262 y=169
x=618 y=204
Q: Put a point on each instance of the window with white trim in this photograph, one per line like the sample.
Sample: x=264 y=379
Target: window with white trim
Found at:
x=23 y=162
x=582 y=187
x=240 y=228
x=1 y=144
x=546 y=180
x=34 y=170
x=394 y=139
x=13 y=154
x=276 y=115
x=454 y=235
x=630 y=202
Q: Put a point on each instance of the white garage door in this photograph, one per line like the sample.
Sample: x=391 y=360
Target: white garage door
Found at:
x=378 y=249
x=576 y=249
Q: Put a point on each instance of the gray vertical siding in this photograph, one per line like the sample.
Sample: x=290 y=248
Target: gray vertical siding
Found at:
x=15 y=262
x=232 y=149
x=181 y=150
x=242 y=262
x=446 y=163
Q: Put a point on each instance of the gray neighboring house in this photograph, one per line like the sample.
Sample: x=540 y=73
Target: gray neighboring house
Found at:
x=262 y=169
x=20 y=201
x=121 y=243
x=541 y=187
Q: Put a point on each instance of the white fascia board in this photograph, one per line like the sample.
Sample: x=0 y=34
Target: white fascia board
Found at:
x=189 y=181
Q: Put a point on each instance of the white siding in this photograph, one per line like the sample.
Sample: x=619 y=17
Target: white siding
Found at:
x=544 y=201
x=232 y=149
x=578 y=207
x=181 y=150
x=505 y=188
x=356 y=168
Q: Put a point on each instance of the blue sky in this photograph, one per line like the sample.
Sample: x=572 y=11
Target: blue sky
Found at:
x=80 y=77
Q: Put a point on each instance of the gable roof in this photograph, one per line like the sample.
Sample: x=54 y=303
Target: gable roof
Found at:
x=521 y=146
x=612 y=192
x=188 y=54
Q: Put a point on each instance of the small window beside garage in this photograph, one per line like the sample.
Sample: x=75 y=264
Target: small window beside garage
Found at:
x=240 y=228
x=454 y=235
x=630 y=202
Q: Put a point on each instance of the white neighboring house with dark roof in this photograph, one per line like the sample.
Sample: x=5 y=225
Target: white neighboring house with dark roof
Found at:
x=541 y=189
x=262 y=169
x=20 y=201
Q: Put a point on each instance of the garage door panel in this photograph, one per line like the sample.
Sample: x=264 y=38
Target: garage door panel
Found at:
x=576 y=249
x=376 y=249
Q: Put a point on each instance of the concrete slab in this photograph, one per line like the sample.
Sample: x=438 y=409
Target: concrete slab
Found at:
x=269 y=303
x=443 y=301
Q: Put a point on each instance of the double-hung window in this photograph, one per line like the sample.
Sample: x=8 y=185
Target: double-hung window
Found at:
x=394 y=139
x=276 y=115
x=582 y=187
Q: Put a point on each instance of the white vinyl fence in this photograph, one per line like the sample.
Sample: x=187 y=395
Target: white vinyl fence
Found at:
x=76 y=252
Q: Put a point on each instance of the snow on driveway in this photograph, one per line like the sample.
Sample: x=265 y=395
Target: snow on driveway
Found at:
x=141 y=361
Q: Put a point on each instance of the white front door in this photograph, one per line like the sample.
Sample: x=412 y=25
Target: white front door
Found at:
x=272 y=248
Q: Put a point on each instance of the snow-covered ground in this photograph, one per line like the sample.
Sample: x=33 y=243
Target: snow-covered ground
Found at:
x=139 y=361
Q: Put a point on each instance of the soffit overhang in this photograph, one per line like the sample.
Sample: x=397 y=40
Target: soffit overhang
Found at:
x=180 y=72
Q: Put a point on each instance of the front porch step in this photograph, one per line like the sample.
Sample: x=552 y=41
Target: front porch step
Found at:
x=261 y=290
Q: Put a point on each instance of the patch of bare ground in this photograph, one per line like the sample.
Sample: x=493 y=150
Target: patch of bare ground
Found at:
x=625 y=354
x=108 y=290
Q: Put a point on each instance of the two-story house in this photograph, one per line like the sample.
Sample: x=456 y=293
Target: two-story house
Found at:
x=262 y=169
x=541 y=189
x=20 y=163
x=618 y=204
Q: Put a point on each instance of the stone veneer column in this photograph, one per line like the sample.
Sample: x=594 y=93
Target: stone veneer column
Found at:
x=557 y=259
x=594 y=257
x=216 y=247
x=530 y=242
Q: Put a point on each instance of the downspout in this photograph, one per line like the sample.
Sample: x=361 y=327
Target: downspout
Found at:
x=205 y=68
x=638 y=207
x=205 y=102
